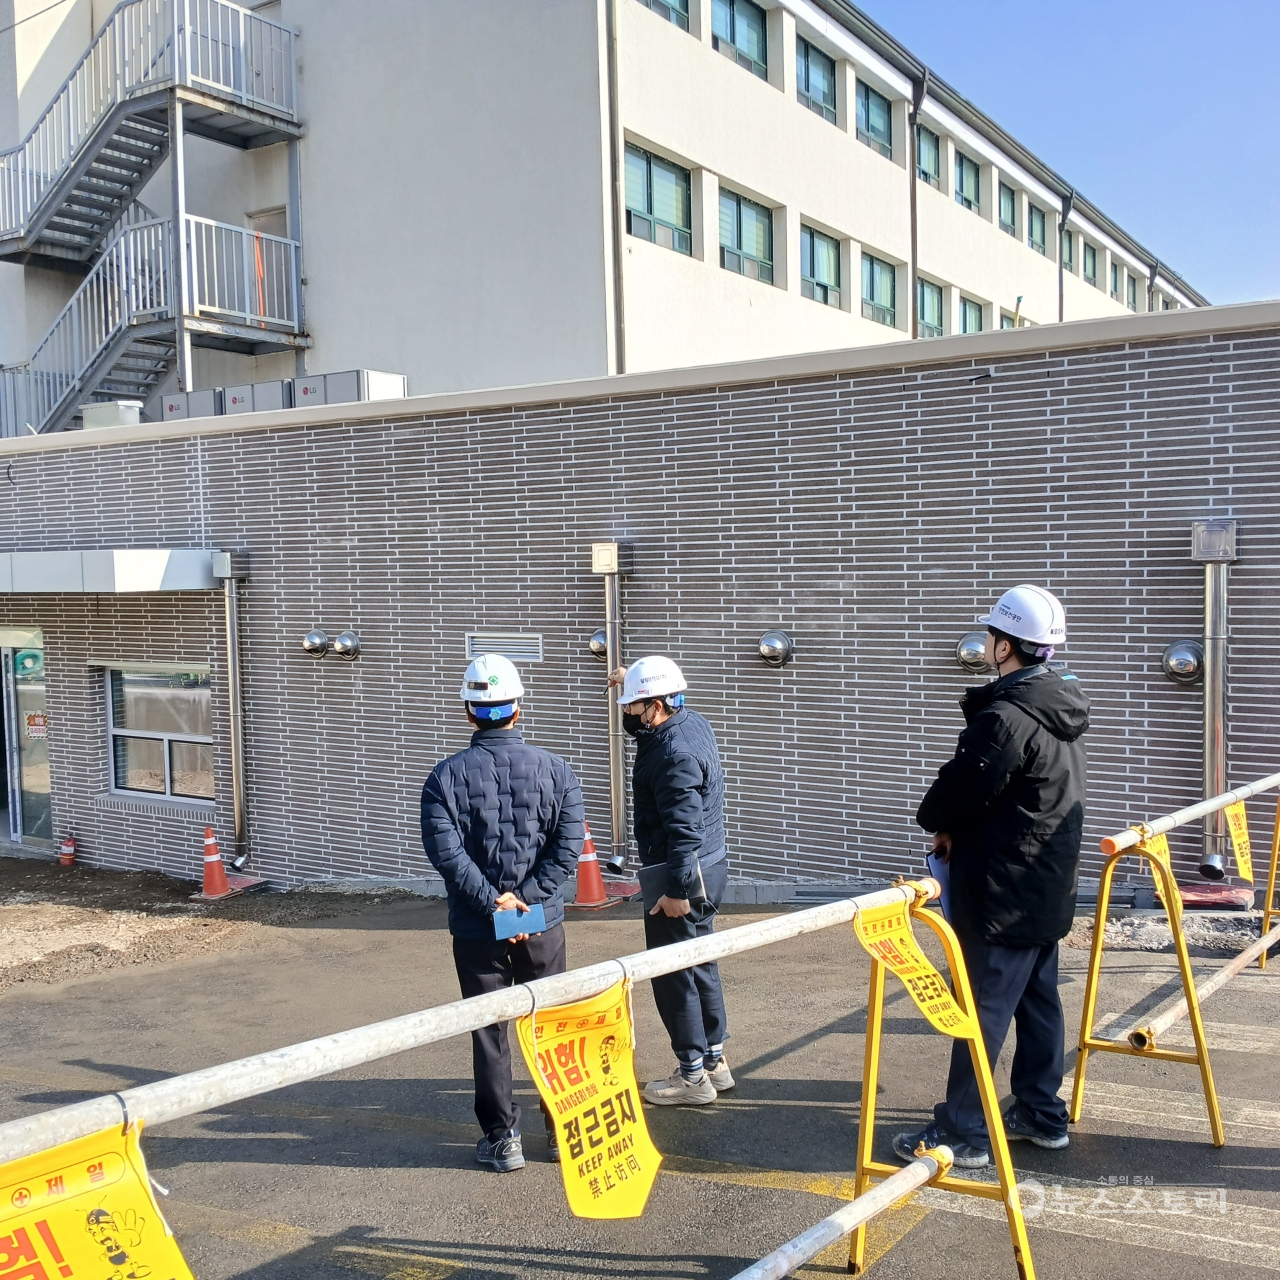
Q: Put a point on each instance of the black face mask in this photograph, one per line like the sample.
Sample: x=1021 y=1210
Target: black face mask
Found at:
x=632 y=724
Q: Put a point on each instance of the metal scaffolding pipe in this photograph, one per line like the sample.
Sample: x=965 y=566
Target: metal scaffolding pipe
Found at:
x=1144 y=1038
x=1215 y=704
x=782 y=1262
x=1158 y=826
x=198 y=1091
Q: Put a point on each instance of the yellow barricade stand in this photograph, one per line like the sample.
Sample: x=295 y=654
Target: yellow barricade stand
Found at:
x=1269 y=904
x=1156 y=851
x=885 y=932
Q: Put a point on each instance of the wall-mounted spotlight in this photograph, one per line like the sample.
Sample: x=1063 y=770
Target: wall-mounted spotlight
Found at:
x=971 y=652
x=1183 y=661
x=347 y=645
x=316 y=643
x=777 y=648
x=599 y=644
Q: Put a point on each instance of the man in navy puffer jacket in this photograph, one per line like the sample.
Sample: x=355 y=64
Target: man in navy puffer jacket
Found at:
x=502 y=822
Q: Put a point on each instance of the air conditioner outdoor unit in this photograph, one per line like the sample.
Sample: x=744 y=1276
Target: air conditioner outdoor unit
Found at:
x=349 y=387
x=193 y=404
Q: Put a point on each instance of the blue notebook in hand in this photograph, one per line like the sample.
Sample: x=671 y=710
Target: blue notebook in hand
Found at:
x=507 y=924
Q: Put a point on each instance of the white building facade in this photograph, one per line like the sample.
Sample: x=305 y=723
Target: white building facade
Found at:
x=479 y=193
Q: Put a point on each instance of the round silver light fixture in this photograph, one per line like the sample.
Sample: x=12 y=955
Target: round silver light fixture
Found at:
x=316 y=643
x=1183 y=661
x=599 y=644
x=776 y=647
x=347 y=645
x=971 y=652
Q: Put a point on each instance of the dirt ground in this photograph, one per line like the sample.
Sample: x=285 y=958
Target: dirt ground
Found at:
x=58 y=923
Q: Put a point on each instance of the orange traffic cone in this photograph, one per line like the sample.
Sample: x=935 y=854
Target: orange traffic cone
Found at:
x=215 y=874
x=591 y=895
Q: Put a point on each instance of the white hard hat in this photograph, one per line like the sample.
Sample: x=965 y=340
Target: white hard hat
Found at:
x=491 y=678
x=1031 y=614
x=653 y=677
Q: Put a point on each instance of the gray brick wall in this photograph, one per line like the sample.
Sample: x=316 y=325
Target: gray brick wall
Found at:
x=873 y=514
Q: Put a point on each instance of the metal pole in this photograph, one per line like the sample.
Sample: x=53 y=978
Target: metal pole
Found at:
x=198 y=1091
x=1215 y=676
x=617 y=737
x=1158 y=826
x=232 y=598
x=782 y=1262
x=1145 y=1037
x=178 y=258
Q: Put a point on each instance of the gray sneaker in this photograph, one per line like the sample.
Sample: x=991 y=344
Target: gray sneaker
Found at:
x=502 y=1154
x=721 y=1078
x=677 y=1091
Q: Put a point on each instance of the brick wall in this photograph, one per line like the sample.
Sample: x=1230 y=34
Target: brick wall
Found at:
x=872 y=514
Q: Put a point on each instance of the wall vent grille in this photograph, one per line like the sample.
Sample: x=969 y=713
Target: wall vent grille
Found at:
x=519 y=648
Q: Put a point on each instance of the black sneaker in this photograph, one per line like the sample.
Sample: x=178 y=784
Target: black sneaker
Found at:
x=1018 y=1125
x=503 y=1153
x=553 y=1146
x=965 y=1156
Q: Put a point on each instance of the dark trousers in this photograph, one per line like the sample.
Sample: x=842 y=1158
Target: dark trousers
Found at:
x=1018 y=984
x=491 y=966
x=690 y=1001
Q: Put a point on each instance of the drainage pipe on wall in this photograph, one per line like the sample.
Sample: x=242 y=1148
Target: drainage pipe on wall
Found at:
x=919 y=90
x=231 y=567
x=1214 y=545
x=1068 y=202
x=617 y=738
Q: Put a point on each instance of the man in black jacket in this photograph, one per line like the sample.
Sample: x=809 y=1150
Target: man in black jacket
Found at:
x=1007 y=814
x=502 y=822
x=678 y=793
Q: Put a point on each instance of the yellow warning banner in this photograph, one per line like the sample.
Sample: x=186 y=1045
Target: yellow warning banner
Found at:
x=85 y=1209
x=886 y=934
x=1157 y=849
x=1238 y=824
x=585 y=1074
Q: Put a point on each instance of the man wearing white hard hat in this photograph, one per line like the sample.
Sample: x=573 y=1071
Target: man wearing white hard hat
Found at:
x=502 y=822
x=677 y=786
x=1007 y=813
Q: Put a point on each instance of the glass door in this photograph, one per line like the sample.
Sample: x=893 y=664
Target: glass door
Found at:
x=26 y=732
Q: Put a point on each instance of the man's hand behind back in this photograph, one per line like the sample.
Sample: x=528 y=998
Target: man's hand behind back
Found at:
x=509 y=902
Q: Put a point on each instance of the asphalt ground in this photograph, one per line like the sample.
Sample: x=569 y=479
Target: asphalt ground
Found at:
x=372 y=1172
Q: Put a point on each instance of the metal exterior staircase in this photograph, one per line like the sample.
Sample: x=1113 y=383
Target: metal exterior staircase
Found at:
x=107 y=130
x=116 y=338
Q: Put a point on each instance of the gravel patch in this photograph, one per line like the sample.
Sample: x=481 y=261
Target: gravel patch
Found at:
x=1207 y=935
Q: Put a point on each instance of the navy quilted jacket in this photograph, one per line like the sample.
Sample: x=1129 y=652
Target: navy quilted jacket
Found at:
x=501 y=817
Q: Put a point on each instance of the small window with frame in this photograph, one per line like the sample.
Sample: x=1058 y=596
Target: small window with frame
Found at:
x=875 y=120
x=967 y=190
x=815 y=79
x=928 y=157
x=746 y=237
x=160 y=731
x=819 y=267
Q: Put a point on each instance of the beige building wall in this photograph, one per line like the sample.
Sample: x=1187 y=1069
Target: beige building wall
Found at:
x=457 y=203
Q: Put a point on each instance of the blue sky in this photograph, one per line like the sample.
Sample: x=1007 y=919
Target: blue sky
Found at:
x=1163 y=114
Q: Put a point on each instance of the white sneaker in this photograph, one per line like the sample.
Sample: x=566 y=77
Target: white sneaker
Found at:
x=720 y=1077
x=677 y=1091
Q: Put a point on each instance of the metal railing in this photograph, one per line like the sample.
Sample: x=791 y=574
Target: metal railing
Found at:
x=222 y=48
x=241 y=275
x=130 y=283
x=188 y=1095
x=234 y=275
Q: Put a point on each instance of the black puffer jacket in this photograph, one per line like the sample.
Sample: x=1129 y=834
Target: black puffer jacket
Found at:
x=1013 y=802
x=501 y=817
x=678 y=793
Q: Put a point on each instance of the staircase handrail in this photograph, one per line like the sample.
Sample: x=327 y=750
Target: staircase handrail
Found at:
x=131 y=280
x=222 y=47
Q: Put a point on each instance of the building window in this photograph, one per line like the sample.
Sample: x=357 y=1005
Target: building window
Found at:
x=875 y=120
x=676 y=11
x=819 y=267
x=746 y=237
x=970 y=316
x=928 y=156
x=928 y=309
x=1132 y=293
x=1035 y=228
x=1008 y=209
x=879 y=290
x=1068 y=251
x=1115 y=281
x=1090 y=265
x=658 y=201
x=815 y=80
x=161 y=733
x=1165 y=305
x=738 y=31
x=966 y=181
